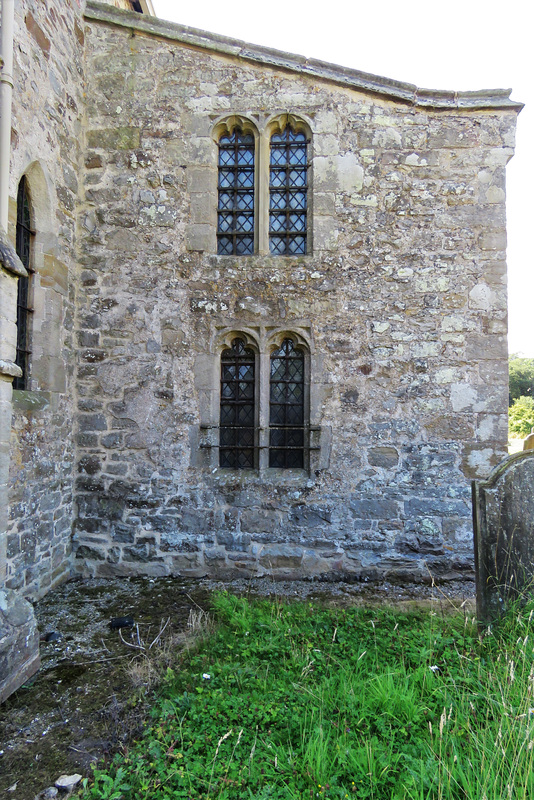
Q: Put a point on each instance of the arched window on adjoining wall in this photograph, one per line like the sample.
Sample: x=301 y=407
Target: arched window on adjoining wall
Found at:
x=235 y=215
x=288 y=192
x=237 y=444
x=287 y=407
x=23 y=242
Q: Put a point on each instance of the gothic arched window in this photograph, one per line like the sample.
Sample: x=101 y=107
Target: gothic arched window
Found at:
x=288 y=188
x=286 y=407
x=237 y=442
x=235 y=216
x=24 y=309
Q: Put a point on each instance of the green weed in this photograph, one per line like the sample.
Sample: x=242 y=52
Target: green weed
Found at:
x=293 y=702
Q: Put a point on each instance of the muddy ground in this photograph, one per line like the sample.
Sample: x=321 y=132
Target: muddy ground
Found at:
x=93 y=691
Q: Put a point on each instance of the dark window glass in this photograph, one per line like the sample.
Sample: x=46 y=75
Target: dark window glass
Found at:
x=286 y=417
x=235 y=217
x=237 y=418
x=288 y=191
x=24 y=311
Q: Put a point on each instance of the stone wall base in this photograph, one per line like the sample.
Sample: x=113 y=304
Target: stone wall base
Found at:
x=19 y=642
x=285 y=563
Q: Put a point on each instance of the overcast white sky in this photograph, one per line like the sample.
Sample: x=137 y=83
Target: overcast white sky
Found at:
x=460 y=44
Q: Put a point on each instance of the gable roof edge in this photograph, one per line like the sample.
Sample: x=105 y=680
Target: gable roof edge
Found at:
x=277 y=59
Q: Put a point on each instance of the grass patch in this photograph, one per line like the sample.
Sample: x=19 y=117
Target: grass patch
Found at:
x=287 y=702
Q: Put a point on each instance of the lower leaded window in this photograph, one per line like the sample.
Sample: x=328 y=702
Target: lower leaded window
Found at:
x=243 y=443
x=286 y=409
x=237 y=413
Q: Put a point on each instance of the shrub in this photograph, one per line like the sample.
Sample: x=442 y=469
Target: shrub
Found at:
x=521 y=376
x=521 y=417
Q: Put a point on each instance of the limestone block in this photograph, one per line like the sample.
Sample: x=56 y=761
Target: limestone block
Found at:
x=490 y=240
x=201 y=179
x=383 y=456
x=350 y=173
x=325 y=233
x=120 y=138
x=480 y=347
x=325 y=174
x=203 y=208
x=281 y=556
x=201 y=237
x=326 y=145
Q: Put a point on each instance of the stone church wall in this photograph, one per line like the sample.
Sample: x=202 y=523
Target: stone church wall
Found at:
x=401 y=307
x=47 y=107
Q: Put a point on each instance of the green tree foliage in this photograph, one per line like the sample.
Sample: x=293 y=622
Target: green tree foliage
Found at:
x=521 y=417
x=521 y=374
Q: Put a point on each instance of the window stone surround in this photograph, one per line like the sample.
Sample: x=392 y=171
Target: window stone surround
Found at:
x=263 y=339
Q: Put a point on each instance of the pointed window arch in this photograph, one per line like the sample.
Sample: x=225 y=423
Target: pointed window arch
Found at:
x=23 y=241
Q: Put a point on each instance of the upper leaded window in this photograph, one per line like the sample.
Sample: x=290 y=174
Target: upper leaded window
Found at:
x=288 y=188
x=237 y=414
x=286 y=417
x=24 y=310
x=235 y=224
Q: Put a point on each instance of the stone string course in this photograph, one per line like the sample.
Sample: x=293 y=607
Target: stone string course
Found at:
x=403 y=299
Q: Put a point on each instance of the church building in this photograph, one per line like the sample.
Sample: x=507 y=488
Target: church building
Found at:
x=253 y=313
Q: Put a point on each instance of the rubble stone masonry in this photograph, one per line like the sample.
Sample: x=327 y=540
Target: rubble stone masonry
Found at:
x=47 y=107
x=400 y=306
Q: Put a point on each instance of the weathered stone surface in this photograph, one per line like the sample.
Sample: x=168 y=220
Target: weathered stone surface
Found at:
x=387 y=457
x=19 y=642
x=66 y=783
x=281 y=556
x=399 y=304
x=503 y=515
x=395 y=295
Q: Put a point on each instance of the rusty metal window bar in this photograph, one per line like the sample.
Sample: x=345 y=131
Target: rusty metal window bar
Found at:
x=23 y=244
x=288 y=193
x=235 y=218
x=286 y=415
x=237 y=431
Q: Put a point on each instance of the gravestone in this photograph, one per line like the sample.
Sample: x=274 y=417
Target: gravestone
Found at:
x=528 y=443
x=503 y=521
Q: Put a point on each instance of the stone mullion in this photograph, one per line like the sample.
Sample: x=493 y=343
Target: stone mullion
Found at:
x=263 y=410
x=263 y=170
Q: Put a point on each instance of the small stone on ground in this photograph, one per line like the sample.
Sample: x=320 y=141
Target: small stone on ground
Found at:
x=68 y=782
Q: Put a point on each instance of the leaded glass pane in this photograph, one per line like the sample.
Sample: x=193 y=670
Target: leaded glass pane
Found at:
x=235 y=228
x=288 y=193
x=237 y=413
x=286 y=409
x=24 y=310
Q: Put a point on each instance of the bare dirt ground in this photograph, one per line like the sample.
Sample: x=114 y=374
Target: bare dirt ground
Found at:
x=94 y=689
